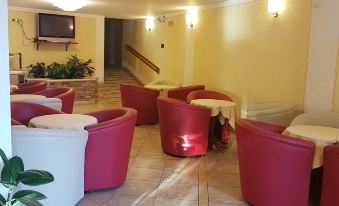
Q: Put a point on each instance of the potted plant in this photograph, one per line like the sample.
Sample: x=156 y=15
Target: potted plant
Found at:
x=55 y=71
x=37 y=70
x=13 y=174
x=76 y=68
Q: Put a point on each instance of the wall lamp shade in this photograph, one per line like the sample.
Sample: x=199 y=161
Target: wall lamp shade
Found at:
x=149 y=23
x=67 y=5
x=275 y=7
x=191 y=17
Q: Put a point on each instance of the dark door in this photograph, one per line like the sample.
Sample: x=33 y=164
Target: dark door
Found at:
x=113 y=42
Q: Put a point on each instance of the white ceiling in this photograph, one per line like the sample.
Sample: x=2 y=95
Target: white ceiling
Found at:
x=123 y=9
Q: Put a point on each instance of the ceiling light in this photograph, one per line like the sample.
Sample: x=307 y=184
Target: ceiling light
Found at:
x=191 y=16
x=149 y=23
x=68 y=5
x=275 y=7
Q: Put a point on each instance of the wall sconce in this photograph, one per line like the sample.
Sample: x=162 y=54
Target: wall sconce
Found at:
x=275 y=7
x=191 y=17
x=149 y=23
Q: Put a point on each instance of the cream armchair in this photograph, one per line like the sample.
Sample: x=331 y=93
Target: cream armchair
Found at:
x=60 y=152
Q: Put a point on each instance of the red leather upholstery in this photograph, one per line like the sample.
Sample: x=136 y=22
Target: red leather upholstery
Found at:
x=182 y=92
x=31 y=87
x=14 y=122
x=143 y=100
x=183 y=127
x=274 y=169
x=23 y=112
x=330 y=184
x=66 y=94
x=108 y=148
x=266 y=126
x=206 y=94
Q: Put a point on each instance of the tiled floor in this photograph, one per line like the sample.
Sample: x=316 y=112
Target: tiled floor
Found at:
x=157 y=179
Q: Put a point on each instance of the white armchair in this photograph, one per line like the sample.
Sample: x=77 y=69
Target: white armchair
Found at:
x=326 y=119
x=60 y=152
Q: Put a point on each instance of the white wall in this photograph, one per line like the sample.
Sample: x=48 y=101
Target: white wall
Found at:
x=321 y=76
x=5 y=125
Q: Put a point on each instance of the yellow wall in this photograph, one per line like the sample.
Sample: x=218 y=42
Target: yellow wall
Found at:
x=170 y=59
x=48 y=53
x=336 y=88
x=240 y=49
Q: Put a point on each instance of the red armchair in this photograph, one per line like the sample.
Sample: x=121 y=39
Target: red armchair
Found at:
x=108 y=148
x=142 y=99
x=330 y=184
x=274 y=169
x=182 y=92
x=183 y=127
x=206 y=94
x=66 y=94
x=31 y=87
x=23 y=112
x=14 y=122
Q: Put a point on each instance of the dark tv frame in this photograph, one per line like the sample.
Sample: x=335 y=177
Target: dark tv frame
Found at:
x=55 y=37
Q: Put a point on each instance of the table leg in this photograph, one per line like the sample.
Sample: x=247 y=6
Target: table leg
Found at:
x=211 y=136
x=315 y=185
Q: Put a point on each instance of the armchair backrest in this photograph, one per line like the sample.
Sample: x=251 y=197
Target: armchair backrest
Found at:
x=182 y=92
x=330 y=181
x=274 y=169
x=206 y=94
x=183 y=127
x=66 y=94
x=23 y=112
x=142 y=99
x=108 y=148
x=31 y=87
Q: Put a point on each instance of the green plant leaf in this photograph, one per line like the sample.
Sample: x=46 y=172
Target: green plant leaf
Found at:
x=7 y=177
x=35 y=177
x=16 y=165
x=29 y=202
x=31 y=194
x=2 y=200
x=4 y=158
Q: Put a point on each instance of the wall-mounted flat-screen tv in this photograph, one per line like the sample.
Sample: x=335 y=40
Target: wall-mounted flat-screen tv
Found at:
x=56 y=27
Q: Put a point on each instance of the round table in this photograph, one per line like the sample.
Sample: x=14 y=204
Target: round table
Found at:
x=163 y=88
x=221 y=108
x=320 y=135
x=25 y=97
x=63 y=121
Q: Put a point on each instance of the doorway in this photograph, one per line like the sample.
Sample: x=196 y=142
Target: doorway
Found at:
x=113 y=43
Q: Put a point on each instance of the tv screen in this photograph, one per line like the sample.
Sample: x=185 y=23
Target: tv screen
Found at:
x=56 y=26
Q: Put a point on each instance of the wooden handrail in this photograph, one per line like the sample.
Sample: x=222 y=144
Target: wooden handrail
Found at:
x=143 y=59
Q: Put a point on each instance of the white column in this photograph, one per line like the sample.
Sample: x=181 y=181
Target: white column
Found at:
x=320 y=80
x=189 y=56
x=100 y=48
x=5 y=124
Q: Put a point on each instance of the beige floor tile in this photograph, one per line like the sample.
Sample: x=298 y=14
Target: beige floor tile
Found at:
x=151 y=152
x=123 y=200
x=185 y=176
x=95 y=199
x=181 y=164
x=203 y=191
x=151 y=163
x=144 y=174
x=178 y=191
x=214 y=167
x=228 y=180
x=226 y=195
x=130 y=161
x=138 y=188
x=174 y=202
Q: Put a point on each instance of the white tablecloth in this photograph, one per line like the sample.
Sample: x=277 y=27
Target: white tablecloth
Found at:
x=221 y=108
x=321 y=136
x=63 y=121
x=163 y=88
x=13 y=88
x=25 y=97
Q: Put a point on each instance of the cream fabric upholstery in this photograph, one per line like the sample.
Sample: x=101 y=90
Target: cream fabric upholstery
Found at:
x=54 y=103
x=62 y=153
x=326 y=119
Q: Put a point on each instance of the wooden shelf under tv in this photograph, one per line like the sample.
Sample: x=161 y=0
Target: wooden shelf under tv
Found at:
x=66 y=43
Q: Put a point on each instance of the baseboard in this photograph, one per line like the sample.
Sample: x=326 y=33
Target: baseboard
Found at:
x=134 y=73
